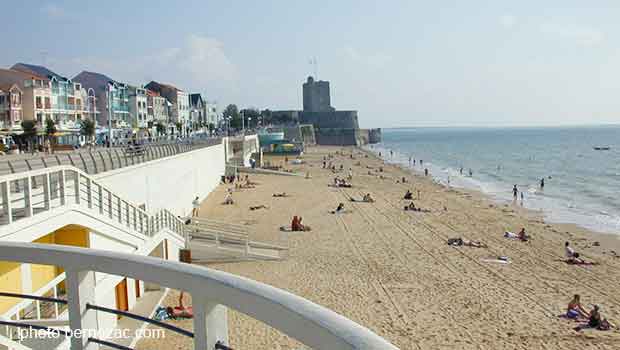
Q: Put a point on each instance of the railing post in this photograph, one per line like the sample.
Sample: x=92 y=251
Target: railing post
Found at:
x=83 y=162
x=105 y=168
x=100 y=198
x=63 y=188
x=7 y=206
x=109 y=152
x=127 y=214
x=80 y=292
x=210 y=324
x=47 y=192
x=89 y=193
x=28 y=211
x=110 y=212
x=119 y=203
x=56 y=310
x=135 y=219
x=77 y=187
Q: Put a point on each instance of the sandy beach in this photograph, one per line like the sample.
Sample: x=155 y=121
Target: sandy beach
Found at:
x=392 y=270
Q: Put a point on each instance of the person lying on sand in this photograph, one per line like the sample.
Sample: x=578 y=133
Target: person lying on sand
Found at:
x=575 y=310
x=576 y=260
x=522 y=236
x=365 y=199
x=595 y=321
x=457 y=242
x=412 y=207
x=408 y=195
x=283 y=194
x=256 y=207
x=339 y=209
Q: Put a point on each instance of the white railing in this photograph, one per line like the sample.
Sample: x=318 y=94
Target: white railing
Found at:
x=212 y=291
x=28 y=194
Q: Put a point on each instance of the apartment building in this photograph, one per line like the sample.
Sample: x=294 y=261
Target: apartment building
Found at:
x=138 y=109
x=179 y=111
x=10 y=106
x=111 y=98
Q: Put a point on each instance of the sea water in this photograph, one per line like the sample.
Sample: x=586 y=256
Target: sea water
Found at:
x=582 y=185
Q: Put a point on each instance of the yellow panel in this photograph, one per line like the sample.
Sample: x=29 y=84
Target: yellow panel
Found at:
x=72 y=235
x=42 y=274
x=10 y=281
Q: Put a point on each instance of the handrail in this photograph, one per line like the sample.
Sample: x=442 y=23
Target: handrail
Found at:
x=33 y=297
x=105 y=157
x=141 y=318
x=309 y=323
x=56 y=188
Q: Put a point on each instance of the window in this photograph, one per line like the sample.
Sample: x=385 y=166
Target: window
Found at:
x=1 y=99
x=48 y=103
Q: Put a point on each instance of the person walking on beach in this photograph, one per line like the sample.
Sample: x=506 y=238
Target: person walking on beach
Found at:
x=542 y=183
x=461 y=171
x=425 y=171
x=391 y=154
x=196 y=206
x=515 y=191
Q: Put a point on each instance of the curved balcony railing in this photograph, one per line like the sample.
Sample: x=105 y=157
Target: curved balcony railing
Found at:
x=212 y=292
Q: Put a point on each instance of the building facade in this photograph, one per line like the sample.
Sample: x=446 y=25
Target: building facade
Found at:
x=51 y=96
x=111 y=98
x=211 y=114
x=138 y=109
x=10 y=106
x=179 y=108
x=157 y=107
x=197 y=112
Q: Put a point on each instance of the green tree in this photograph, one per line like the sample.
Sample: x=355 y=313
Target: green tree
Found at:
x=251 y=117
x=161 y=128
x=30 y=131
x=232 y=112
x=87 y=129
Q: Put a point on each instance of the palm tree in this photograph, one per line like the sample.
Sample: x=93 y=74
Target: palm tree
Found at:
x=87 y=129
x=50 y=130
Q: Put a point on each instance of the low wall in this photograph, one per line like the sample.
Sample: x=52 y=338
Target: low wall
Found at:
x=171 y=183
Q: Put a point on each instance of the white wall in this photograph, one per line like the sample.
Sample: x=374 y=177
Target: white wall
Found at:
x=169 y=183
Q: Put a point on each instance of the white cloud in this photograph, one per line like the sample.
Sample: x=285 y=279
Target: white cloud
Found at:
x=199 y=64
x=374 y=60
x=570 y=32
x=508 y=21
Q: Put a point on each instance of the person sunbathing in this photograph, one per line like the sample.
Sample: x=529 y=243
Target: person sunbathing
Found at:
x=339 y=209
x=410 y=206
x=596 y=321
x=576 y=260
x=575 y=310
x=283 y=194
x=367 y=198
x=256 y=207
x=522 y=236
x=465 y=242
x=408 y=195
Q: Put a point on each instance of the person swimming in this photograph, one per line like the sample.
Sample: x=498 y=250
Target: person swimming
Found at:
x=515 y=191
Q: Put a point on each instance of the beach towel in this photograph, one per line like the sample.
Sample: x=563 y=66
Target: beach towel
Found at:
x=498 y=260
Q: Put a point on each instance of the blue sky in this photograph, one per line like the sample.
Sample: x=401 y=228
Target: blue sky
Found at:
x=399 y=63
